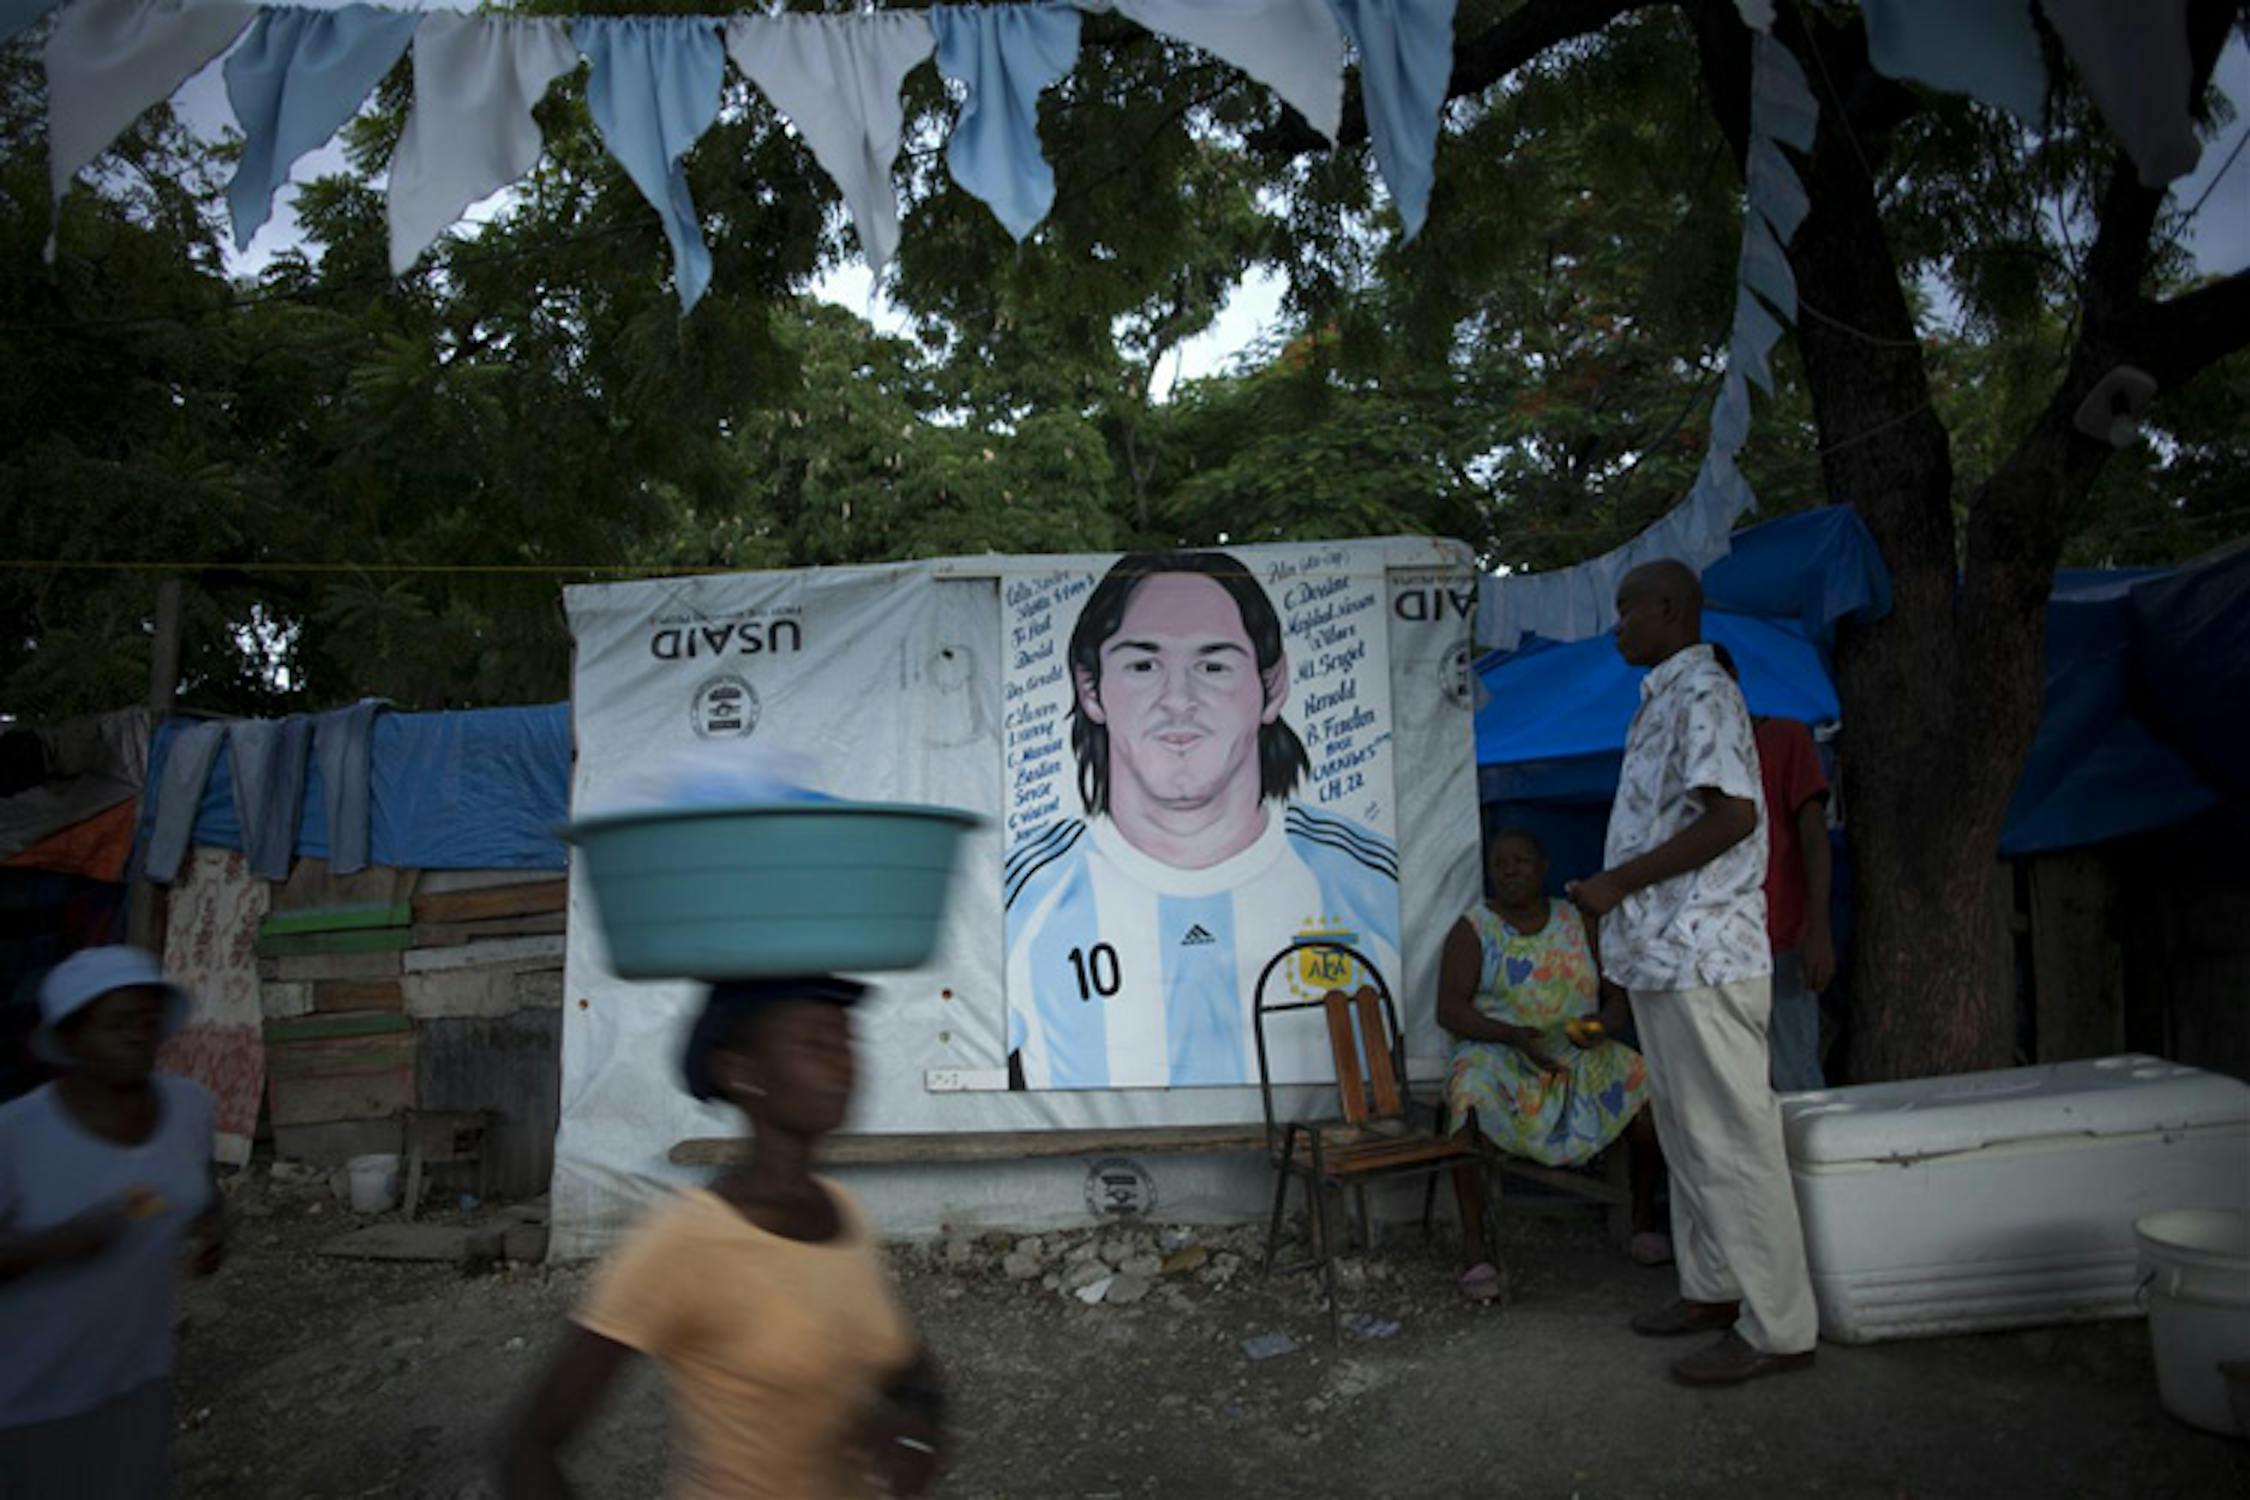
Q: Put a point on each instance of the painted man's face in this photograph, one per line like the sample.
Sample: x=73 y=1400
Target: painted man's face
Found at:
x=1181 y=694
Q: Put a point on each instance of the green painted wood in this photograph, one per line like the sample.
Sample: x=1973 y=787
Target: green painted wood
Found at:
x=365 y=940
x=336 y=919
x=322 y=1027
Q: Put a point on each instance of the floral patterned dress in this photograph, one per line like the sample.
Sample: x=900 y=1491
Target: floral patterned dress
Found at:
x=1542 y=979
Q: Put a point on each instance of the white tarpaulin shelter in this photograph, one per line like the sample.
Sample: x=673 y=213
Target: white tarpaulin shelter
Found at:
x=894 y=682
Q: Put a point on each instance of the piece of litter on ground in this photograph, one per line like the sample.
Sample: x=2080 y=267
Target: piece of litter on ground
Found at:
x=1093 y=1291
x=1269 y=1345
x=1368 y=1326
x=1181 y=1262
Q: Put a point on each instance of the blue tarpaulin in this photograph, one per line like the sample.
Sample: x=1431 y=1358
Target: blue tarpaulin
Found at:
x=2147 y=690
x=1815 y=567
x=478 y=789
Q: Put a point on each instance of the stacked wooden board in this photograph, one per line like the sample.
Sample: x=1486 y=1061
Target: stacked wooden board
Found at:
x=443 y=992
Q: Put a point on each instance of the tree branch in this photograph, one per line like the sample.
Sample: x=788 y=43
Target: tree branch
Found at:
x=1478 y=63
x=2181 y=337
x=2023 y=512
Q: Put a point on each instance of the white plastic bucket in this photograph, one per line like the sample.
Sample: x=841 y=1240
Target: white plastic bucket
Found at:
x=2198 y=1265
x=374 y=1182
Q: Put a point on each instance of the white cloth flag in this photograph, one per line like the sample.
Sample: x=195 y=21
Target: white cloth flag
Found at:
x=1293 y=47
x=837 y=78
x=108 y=60
x=470 y=133
x=2136 y=64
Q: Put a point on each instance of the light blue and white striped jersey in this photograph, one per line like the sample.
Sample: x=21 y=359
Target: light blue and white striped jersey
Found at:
x=1124 y=972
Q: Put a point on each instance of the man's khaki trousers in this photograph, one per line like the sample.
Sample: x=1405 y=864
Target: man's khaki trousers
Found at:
x=1735 y=1234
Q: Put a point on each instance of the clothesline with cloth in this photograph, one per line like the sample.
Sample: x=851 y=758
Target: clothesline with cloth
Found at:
x=654 y=88
x=299 y=73
x=471 y=789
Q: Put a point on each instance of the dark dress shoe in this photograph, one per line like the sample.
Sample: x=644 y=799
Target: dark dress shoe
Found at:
x=1682 y=1316
x=1731 y=1361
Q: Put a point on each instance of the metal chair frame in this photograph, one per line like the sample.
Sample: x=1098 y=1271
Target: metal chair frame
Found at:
x=1282 y=1137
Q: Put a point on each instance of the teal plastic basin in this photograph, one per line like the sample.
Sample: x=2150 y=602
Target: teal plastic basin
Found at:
x=774 y=888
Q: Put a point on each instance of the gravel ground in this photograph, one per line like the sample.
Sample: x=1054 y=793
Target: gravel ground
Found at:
x=303 y=1376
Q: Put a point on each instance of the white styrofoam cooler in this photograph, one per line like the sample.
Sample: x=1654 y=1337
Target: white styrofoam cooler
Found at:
x=2006 y=1199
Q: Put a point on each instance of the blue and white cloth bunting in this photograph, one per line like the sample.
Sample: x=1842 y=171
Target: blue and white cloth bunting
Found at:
x=1007 y=55
x=293 y=82
x=1570 y=604
x=470 y=132
x=110 y=60
x=1405 y=63
x=1294 y=47
x=654 y=91
x=1987 y=49
x=2132 y=54
x=837 y=79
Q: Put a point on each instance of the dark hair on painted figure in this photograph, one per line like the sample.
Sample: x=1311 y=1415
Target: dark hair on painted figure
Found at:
x=1282 y=761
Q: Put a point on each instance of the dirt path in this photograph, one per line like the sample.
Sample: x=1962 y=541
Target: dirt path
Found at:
x=308 y=1377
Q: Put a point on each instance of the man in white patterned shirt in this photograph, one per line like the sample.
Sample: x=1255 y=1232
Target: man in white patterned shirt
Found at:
x=1686 y=936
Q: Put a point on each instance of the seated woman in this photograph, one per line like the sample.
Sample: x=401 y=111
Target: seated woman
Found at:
x=764 y=1298
x=1532 y=1061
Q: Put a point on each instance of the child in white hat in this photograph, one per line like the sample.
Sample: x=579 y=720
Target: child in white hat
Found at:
x=105 y=1176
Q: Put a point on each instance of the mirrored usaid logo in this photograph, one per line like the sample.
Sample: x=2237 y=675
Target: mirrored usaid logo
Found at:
x=724 y=707
x=1118 y=1188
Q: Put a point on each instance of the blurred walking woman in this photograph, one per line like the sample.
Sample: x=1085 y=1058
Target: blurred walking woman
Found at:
x=792 y=1368
x=105 y=1176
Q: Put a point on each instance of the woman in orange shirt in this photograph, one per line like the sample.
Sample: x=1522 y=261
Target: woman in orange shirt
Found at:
x=793 y=1369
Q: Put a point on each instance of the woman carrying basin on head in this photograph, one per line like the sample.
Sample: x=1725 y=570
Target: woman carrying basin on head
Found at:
x=793 y=1369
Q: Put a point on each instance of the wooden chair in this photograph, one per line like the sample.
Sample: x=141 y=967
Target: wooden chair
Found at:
x=1376 y=1137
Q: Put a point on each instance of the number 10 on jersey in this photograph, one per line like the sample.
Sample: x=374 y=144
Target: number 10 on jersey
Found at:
x=1097 y=971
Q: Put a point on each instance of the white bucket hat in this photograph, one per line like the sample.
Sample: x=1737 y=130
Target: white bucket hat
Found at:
x=87 y=975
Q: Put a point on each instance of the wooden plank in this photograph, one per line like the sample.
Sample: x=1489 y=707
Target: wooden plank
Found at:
x=1346 y=1053
x=343 y=1023
x=495 y=901
x=329 y=1057
x=347 y=1096
x=352 y=918
x=312 y=885
x=452 y=934
x=522 y=952
x=993 y=1145
x=318 y=966
x=1381 y=1075
x=363 y=940
x=358 y=994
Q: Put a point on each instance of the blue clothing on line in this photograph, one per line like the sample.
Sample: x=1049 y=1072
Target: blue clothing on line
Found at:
x=269 y=788
x=341 y=743
x=181 y=774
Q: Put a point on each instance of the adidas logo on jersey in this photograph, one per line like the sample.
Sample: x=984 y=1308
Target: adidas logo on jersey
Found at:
x=1197 y=937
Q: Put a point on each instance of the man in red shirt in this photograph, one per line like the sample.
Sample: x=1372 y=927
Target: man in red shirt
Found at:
x=1797 y=890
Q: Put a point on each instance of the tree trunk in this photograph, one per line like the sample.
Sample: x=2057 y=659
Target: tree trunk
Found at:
x=1937 y=722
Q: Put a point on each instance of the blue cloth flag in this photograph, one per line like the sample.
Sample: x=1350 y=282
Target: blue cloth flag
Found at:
x=1775 y=191
x=295 y=79
x=1765 y=267
x=654 y=91
x=1987 y=49
x=1405 y=62
x=1782 y=106
x=1756 y=331
x=1007 y=55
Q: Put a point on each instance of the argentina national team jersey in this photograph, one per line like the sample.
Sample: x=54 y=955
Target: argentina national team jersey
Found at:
x=1124 y=972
